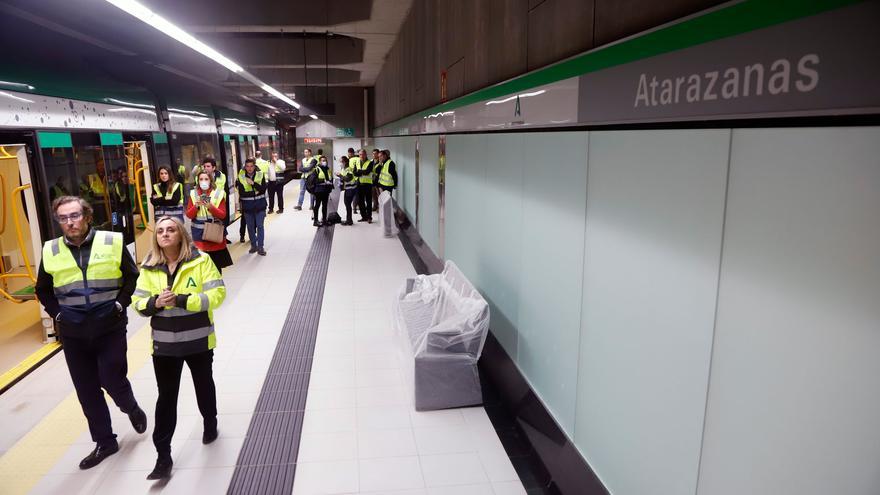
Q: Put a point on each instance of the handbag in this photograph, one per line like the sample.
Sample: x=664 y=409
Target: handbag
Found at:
x=213 y=232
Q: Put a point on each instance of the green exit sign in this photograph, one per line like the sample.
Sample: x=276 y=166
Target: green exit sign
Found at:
x=345 y=132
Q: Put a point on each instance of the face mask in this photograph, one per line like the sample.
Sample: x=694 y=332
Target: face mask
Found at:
x=204 y=185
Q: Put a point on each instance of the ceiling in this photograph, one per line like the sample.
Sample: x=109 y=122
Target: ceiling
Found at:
x=93 y=46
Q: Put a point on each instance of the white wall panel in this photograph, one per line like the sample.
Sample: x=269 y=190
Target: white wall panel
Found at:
x=466 y=243
x=794 y=398
x=655 y=208
x=429 y=191
x=552 y=233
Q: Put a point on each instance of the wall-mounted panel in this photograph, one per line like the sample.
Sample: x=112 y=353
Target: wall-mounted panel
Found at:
x=554 y=198
x=655 y=208
x=429 y=191
x=466 y=184
x=795 y=389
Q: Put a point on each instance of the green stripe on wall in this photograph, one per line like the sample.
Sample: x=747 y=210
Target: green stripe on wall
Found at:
x=54 y=139
x=160 y=138
x=111 y=139
x=747 y=16
x=242 y=139
x=226 y=138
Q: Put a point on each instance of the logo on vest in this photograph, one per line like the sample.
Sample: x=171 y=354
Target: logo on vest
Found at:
x=190 y=283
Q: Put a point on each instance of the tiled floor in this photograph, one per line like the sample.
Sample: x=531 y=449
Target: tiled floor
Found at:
x=360 y=432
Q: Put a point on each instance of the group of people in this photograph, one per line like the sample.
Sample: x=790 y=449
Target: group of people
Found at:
x=87 y=278
x=206 y=202
x=361 y=179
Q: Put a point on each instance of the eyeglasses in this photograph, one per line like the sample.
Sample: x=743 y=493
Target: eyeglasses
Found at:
x=68 y=218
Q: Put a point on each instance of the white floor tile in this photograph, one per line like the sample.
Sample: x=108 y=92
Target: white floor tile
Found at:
x=482 y=489
x=386 y=443
x=497 y=466
x=396 y=473
x=335 y=477
x=339 y=446
x=222 y=453
x=330 y=420
x=382 y=417
x=379 y=378
x=340 y=398
x=509 y=488
x=444 y=440
x=382 y=396
x=453 y=469
x=435 y=419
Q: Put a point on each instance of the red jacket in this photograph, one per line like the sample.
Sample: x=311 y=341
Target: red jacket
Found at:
x=219 y=213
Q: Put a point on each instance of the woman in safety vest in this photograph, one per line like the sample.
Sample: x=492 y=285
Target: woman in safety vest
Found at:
x=179 y=288
x=323 y=188
x=208 y=204
x=167 y=196
x=349 y=185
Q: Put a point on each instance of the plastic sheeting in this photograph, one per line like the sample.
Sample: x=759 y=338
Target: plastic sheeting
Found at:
x=386 y=215
x=444 y=322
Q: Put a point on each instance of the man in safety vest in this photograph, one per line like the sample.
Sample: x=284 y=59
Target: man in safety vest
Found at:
x=353 y=160
x=252 y=186
x=262 y=164
x=363 y=170
x=85 y=282
x=387 y=172
x=309 y=163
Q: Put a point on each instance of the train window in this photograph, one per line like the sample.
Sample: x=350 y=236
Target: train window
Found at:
x=190 y=149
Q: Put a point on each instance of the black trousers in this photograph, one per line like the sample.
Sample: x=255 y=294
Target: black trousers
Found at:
x=276 y=188
x=365 y=196
x=349 y=199
x=242 y=227
x=321 y=200
x=95 y=364
x=168 y=369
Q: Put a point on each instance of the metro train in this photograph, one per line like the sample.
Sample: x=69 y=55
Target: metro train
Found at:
x=108 y=153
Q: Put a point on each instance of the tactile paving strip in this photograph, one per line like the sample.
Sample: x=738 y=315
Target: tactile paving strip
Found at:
x=267 y=462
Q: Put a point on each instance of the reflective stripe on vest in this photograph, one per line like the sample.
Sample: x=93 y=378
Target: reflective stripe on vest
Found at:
x=103 y=277
x=351 y=184
x=168 y=211
x=385 y=178
x=258 y=177
x=368 y=178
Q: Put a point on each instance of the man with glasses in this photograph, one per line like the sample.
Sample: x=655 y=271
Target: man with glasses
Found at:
x=85 y=282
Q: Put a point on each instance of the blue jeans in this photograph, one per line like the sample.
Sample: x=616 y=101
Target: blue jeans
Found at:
x=254 y=221
x=302 y=193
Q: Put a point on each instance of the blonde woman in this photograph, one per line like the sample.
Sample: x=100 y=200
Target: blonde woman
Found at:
x=179 y=288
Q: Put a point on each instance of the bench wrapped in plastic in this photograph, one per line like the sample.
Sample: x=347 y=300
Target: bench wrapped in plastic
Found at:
x=386 y=215
x=444 y=322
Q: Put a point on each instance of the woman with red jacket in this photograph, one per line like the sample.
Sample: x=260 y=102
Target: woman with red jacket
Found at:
x=208 y=204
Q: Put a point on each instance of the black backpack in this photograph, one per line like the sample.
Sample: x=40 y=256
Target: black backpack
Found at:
x=312 y=182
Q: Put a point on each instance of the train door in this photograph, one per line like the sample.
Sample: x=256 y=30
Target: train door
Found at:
x=231 y=149
x=137 y=160
x=24 y=326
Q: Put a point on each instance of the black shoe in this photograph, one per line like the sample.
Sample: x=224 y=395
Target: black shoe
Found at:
x=297 y=207
x=241 y=240
x=162 y=469
x=269 y=212
x=252 y=250
x=209 y=436
x=138 y=420
x=99 y=454
x=370 y=220
x=348 y=222
x=362 y=220
x=315 y=223
x=262 y=252
x=228 y=241
x=281 y=210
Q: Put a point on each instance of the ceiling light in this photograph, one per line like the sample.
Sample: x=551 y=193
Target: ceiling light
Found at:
x=17 y=85
x=278 y=94
x=149 y=17
x=313 y=116
x=128 y=103
x=4 y=93
x=522 y=95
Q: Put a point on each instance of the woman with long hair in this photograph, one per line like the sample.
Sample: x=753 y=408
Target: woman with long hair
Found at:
x=207 y=203
x=167 y=195
x=179 y=288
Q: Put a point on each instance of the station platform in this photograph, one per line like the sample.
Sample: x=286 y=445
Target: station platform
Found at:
x=357 y=432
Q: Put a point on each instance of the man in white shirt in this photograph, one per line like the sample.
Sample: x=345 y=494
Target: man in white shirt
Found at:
x=276 y=182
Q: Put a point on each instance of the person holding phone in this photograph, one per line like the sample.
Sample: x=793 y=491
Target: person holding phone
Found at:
x=208 y=204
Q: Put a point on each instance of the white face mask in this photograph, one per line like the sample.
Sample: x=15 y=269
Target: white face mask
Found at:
x=204 y=185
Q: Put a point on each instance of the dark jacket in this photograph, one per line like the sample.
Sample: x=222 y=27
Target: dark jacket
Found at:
x=94 y=325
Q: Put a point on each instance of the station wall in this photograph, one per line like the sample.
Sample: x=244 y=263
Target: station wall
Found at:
x=696 y=308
